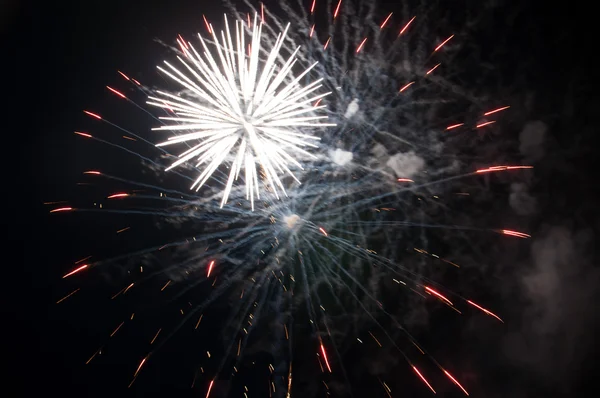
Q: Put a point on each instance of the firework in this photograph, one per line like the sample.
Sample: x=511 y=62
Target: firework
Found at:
x=241 y=102
x=372 y=194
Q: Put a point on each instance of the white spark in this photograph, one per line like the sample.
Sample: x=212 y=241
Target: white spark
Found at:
x=245 y=104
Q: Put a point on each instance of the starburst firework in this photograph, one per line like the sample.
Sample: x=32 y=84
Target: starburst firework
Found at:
x=241 y=103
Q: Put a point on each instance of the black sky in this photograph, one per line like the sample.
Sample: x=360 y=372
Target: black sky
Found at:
x=57 y=59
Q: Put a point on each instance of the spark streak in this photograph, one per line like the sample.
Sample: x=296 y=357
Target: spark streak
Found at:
x=490 y=313
x=76 y=270
x=423 y=378
x=455 y=382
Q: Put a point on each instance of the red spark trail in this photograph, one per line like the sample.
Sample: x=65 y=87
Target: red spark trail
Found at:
x=406 y=86
x=140 y=366
x=61 y=209
x=430 y=290
x=312 y=29
x=405 y=180
x=496 y=110
x=424 y=379
x=116 y=92
x=337 y=9
x=312 y=8
x=485 y=124
x=262 y=12
x=323 y=231
x=454 y=126
x=92 y=172
x=207 y=24
x=490 y=313
x=325 y=357
x=444 y=42
x=406 y=26
x=93 y=115
x=76 y=270
x=124 y=75
x=455 y=381
x=210 y=267
x=117 y=195
x=501 y=168
x=68 y=295
x=432 y=69
x=515 y=233
x=327 y=43
x=384 y=22
x=362 y=43
x=83 y=134
x=209 y=388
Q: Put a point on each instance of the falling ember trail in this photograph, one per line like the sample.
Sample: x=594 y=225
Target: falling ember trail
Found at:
x=405 y=180
x=515 y=233
x=490 y=313
x=117 y=195
x=83 y=134
x=424 y=379
x=430 y=290
x=323 y=231
x=485 y=124
x=92 y=172
x=209 y=388
x=210 y=267
x=93 y=115
x=406 y=26
x=444 y=42
x=496 y=110
x=384 y=22
x=76 y=270
x=455 y=382
x=68 y=295
x=61 y=209
x=454 y=126
x=502 y=168
x=116 y=92
x=337 y=9
x=325 y=357
x=406 y=86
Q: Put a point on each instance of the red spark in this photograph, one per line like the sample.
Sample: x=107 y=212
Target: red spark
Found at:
x=444 y=42
x=92 y=172
x=123 y=74
x=76 y=270
x=323 y=231
x=83 y=134
x=207 y=24
x=454 y=126
x=362 y=43
x=116 y=92
x=405 y=180
x=430 y=290
x=93 y=115
x=312 y=29
x=325 y=357
x=136 y=82
x=406 y=86
x=262 y=11
x=386 y=20
x=210 y=267
x=496 y=110
x=317 y=103
x=68 y=295
x=140 y=366
x=485 y=124
x=249 y=22
x=312 y=8
x=502 y=168
x=432 y=69
x=515 y=233
x=117 y=195
x=424 y=379
x=61 y=209
x=337 y=9
x=182 y=47
x=209 y=388
x=183 y=41
x=455 y=382
x=326 y=43
x=406 y=26
x=490 y=313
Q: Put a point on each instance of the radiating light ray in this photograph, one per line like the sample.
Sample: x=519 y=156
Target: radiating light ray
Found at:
x=337 y=9
x=209 y=388
x=76 y=270
x=496 y=110
x=406 y=86
x=116 y=92
x=432 y=69
x=439 y=295
x=443 y=43
x=406 y=26
x=118 y=195
x=94 y=115
x=325 y=354
x=362 y=43
x=385 y=21
x=515 y=233
x=480 y=125
x=248 y=110
x=423 y=378
x=61 y=209
x=484 y=310
x=451 y=127
x=210 y=267
x=455 y=381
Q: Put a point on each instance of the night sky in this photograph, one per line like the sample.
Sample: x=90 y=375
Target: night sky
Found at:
x=57 y=60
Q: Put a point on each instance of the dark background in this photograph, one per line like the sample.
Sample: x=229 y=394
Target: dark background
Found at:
x=57 y=57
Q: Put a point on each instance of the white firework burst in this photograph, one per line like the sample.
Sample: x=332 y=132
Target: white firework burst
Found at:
x=243 y=103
